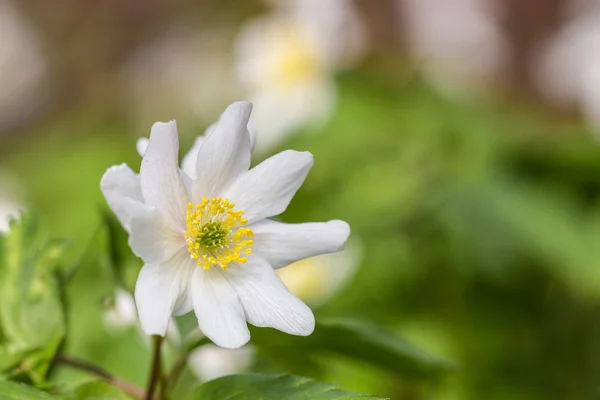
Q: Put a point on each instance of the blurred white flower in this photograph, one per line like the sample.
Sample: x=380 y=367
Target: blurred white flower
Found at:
x=316 y=279
x=568 y=70
x=458 y=44
x=211 y=362
x=287 y=61
x=11 y=204
x=184 y=75
x=9 y=210
x=202 y=254
x=22 y=66
x=121 y=315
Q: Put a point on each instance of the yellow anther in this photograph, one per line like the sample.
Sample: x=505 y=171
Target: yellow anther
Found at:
x=215 y=233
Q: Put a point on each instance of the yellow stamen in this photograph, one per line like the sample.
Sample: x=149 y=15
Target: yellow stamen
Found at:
x=216 y=234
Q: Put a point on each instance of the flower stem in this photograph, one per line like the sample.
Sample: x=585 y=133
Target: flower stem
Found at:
x=126 y=387
x=155 y=368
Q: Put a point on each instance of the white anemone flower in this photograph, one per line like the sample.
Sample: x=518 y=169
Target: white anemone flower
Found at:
x=211 y=362
x=122 y=315
x=11 y=204
x=317 y=279
x=207 y=242
x=9 y=210
x=287 y=60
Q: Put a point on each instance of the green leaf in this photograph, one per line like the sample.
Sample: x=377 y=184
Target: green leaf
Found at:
x=18 y=391
x=355 y=339
x=32 y=321
x=96 y=391
x=271 y=387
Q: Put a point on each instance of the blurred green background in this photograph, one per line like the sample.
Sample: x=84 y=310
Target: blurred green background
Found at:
x=477 y=208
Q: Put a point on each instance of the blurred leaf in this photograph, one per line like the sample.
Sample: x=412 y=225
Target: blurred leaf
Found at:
x=18 y=391
x=96 y=391
x=271 y=387
x=32 y=321
x=352 y=338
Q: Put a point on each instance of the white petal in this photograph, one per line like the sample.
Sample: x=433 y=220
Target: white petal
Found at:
x=282 y=244
x=141 y=146
x=119 y=183
x=152 y=237
x=267 y=189
x=225 y=153
x=187 y=182
x=160 y=179
x=188 y=165
x=266 y=300
x=186 y=178
x=160 y=289
x=218 y=309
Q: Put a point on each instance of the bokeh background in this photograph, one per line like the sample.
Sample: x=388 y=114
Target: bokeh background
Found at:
x=457 y=137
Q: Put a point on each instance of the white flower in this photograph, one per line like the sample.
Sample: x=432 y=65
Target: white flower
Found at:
x=316 y=279
x=207 y=242
x=11 y=204
x=122 y=315
x=9 y=210
x=287 y=61
x=211 y=362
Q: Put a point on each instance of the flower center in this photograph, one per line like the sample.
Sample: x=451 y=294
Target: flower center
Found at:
x=297 y=61
x=216 y=234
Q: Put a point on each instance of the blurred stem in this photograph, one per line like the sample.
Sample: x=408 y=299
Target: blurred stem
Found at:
x=126 y=387
x=155 y=372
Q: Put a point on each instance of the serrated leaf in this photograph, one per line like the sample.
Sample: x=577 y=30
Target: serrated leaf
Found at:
x=360 y=340
x=18 y=391
x=96 y=391
x=272 y=387
x=31 y=311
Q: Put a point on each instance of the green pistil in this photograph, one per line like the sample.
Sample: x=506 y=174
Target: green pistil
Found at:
x=212 y=236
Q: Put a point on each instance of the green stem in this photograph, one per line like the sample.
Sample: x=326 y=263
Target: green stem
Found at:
x=155 y=368
x=126 y=387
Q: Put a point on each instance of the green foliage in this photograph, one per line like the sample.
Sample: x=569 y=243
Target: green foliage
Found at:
x=96 y=391
x=480 y=228
x=18 y=391
x=32 y=320
x=271 y=387
x=355 y=339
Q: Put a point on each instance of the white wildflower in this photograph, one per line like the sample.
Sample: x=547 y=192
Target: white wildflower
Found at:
x=212 y=362
x=287 y=61
x=316 y=279
x=207 y=242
